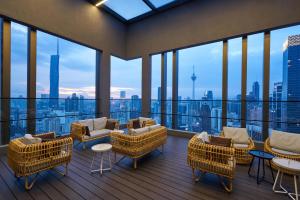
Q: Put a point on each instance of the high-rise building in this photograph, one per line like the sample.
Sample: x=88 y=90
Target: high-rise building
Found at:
x=255 y=90
x=193 y=77
x=276 y=105
x=135 y=106
x=72 y=104
x=159 y=93
x=122 y=94
x=291 y=83
x=216 y=120
x=54 y=79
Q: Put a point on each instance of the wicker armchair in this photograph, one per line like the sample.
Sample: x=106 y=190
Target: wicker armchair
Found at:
x=29 y=159
x=242 y=152
x=79 y=131
x=136 y=146
x=212 y=159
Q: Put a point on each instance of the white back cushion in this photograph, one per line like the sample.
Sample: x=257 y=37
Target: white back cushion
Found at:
x=285 y=141
x=143 y=119
x=203 y=136
x=100 y=123
x=87 y=122
x=238 y=135
x=154 y=127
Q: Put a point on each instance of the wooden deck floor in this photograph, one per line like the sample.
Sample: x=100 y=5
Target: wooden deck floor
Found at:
x=158 y=176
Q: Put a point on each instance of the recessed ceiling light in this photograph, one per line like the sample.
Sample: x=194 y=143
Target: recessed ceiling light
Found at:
x=100 y=2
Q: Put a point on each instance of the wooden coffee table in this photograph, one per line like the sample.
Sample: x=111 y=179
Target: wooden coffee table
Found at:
x=286 y=166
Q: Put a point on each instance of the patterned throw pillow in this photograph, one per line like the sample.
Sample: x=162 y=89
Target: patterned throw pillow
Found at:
x=87 y=131
x=110 y=125
x=136 y=124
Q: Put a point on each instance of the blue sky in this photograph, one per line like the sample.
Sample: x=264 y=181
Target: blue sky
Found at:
x=77 y=66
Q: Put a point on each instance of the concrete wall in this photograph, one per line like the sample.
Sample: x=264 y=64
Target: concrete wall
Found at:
x=202 y=21
x=73 y=19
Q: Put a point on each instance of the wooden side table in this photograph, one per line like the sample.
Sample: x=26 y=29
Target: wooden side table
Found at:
x=101 y=148
x=286 y=166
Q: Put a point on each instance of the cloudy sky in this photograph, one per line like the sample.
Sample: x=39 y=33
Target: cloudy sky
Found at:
x=77 y=66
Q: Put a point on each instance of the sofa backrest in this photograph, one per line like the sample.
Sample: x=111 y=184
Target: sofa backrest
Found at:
x=285 y=141
x=100 y=123
x=144 y=129
x=87 y=122
x=238 y=135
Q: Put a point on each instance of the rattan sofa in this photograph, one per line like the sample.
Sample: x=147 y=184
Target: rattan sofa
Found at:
x=136 y=146
x=97 y=129
x=29 y=159
x=144 y=121
x=212 y=159
x=242 y=155
x=283 y=145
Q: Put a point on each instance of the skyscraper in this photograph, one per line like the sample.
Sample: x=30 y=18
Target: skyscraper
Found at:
x=159 y=93
x=122 y=94
x=255 y=90
x=276 y=105
x=291 y=83
x=193 y=77
x=54 y=79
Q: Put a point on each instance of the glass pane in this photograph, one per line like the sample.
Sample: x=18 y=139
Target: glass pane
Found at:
x=200 y=88
x=234 y=82
x=65 y=83
x=18 y=113
x=156 y=87
x=169 y=90
x=159 y=3
x=125 y=91
x=284 y=80
x=254 y=85
x=128 y=10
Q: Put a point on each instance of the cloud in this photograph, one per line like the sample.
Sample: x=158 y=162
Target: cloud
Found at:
x=88 y=92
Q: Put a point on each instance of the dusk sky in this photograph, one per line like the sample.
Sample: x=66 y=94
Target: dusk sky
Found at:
x=77 y=66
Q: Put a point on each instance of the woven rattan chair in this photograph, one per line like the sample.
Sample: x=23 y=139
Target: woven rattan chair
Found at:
x=26 y=160
x=136 y=146
x=268 y=148
x=242 y=154
x=212 y=159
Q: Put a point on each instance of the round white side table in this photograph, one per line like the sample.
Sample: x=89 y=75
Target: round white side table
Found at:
x=286 y=166
x=101 y=149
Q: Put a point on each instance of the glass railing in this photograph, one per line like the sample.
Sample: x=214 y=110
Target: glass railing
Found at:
x=125 y=109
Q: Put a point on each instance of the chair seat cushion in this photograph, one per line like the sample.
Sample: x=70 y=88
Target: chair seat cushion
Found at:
x=98 y=133
x=100 y=123
x=285 y=152
x=241 y=146
x=87 y=122
x=285 y=141
x=238 y=135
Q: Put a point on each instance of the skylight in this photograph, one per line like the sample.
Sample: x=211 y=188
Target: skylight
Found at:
x=128 y=9
x=159 y=3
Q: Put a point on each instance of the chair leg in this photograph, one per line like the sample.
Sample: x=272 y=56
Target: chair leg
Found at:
x=134 y=163
x=83 y=146
x=28 y=185
x=66 y=169
x=228 y=186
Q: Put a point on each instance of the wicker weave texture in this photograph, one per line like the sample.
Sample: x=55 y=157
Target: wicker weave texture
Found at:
x=29 y=159
x=136 y=146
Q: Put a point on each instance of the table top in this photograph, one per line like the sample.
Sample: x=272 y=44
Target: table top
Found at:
x=288 y=164
x=101 y=147
x=261 y=154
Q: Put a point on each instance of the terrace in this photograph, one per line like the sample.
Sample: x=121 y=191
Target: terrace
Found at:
x=191 y=66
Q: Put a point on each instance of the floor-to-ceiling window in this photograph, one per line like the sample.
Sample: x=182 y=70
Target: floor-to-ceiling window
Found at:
x=234 y=82
x=126 y=80
x=169 y=89
x=18 y=114
x=254 y=85
x=284 y=79
x=200 y=88
x=156 y=87
x=65 y=83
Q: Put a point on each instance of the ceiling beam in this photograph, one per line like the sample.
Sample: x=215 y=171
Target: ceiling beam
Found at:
x=149 y=4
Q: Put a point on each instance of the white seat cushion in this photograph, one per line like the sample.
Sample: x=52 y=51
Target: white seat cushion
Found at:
x=285 y=152
x=87 y=122
x=139 y=131
x=98 y=133
x=241 y=146
x=100 y=123
x=203 y=136
x=154 y=127
x=238 y=135
x=285 y=141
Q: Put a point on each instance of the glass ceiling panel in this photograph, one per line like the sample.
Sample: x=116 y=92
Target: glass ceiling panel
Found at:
x=128 y=9
x=159 y=3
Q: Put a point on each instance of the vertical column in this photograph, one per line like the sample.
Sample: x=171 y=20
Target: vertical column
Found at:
x=146 y=85
x=163 y=87
x=31 y=81
x=266 y=85
x=5 y=81
x=98 y=84
x=244 y=82
x=225 y=83
x=175 y=90
x=103 y=84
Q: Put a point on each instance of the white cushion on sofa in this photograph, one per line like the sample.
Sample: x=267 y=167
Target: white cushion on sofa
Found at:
x=100 y=123
x=154 y=127
x=284 y=152
x=203 y=136
x=144 y=119
x=241 y=146
x=87 y=122
x=285 y=141
x=238 y=135
x=97 y=133
x=139 y=131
